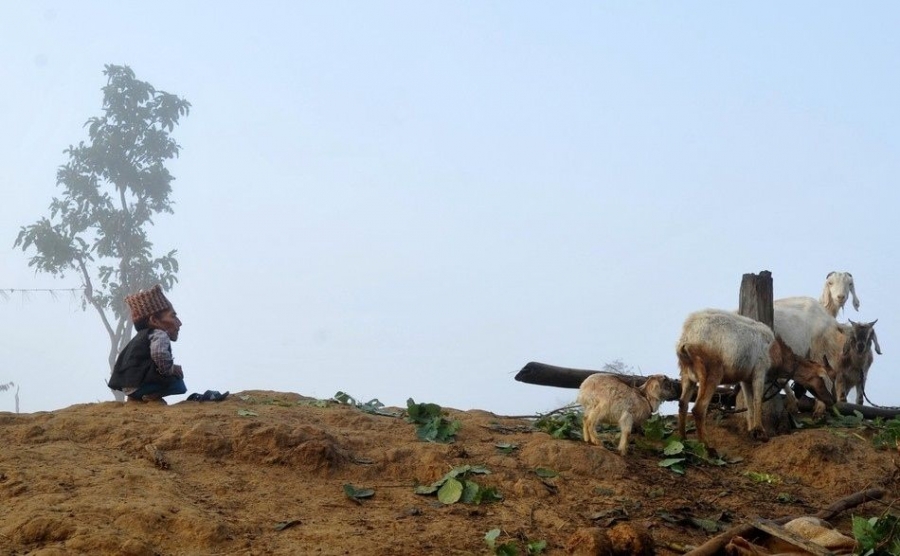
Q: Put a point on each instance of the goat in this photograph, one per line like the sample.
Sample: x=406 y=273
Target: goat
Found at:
x=721 y=347
x=606 y=398
x=834 y=294
x=786 y=365
x=810 y=331
x=856 y=360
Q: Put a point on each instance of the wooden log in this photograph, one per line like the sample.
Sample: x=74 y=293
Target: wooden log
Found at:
x=716 y=544
x=756 y=298
x=561 y=377
x=806 y=404
x=543 y=374
x=755 y=301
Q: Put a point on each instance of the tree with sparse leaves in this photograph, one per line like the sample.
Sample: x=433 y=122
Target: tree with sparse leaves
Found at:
x=113 y=186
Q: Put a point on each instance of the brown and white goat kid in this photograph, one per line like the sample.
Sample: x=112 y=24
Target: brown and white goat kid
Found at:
x=720 y=347
x=607 y=399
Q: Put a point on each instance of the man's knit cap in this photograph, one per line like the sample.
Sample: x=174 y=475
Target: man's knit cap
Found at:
x=147 y=302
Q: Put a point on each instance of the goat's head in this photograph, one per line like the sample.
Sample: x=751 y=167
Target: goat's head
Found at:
x=861 y=338
x=660 y=388
x=812 y=376
x=816 y=378
x=838 y=286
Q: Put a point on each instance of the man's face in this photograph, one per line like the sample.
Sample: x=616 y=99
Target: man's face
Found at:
x=168 y=321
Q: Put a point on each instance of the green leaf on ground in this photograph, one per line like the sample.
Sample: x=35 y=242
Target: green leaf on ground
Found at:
x=357 y=494
x=450 y=492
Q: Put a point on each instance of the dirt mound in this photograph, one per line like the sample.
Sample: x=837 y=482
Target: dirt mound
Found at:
x=265 y=473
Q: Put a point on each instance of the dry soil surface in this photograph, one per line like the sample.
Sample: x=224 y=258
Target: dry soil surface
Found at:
x=264 y=473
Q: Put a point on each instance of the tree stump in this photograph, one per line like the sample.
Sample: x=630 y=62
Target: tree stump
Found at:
x=756 y=302
x=756 y=298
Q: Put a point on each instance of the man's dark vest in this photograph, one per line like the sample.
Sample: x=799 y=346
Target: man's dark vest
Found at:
x=134 y=366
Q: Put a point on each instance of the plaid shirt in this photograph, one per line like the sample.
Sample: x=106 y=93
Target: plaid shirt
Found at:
x=161 y=352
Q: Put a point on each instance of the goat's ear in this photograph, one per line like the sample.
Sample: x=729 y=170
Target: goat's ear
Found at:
x=825 y=362
x=875 y=339
x=829 y=384
x=853 y=293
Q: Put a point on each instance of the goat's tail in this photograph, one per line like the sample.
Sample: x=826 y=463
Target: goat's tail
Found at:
x=684 y=355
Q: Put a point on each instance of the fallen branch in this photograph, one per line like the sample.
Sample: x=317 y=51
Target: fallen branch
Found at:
x=551 y=375
x=717 y=543
x=543 y=374
x=844 y=408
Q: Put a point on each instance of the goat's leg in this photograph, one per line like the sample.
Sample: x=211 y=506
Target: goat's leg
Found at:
x=747 y=394
x=688 y=388
x=840 y=387
x=790 y=400
x=586 y=425
x=819 y=409
x=705 y=390
x=753 y=395
x=589 y=425
x=626 y=421
x=861 y=389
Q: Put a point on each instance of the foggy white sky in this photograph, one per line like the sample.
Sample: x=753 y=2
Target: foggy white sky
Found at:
x=414 y=199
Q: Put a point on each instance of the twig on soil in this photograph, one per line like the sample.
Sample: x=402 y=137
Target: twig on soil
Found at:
x=505 y=429
x=676 y=547
x=717 y=543
x=539 y=415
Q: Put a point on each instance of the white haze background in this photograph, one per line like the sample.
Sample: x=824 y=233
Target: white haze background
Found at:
x=414 y=199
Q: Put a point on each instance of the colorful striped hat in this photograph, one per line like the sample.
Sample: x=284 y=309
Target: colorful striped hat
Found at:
x=147 y=302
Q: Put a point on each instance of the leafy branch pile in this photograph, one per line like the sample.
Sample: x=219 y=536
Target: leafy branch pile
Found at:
x=511 y=548
x=886 y=431
x=432 y=425
x=680 y=453
x=458 y=486
x=373 y=406
x=877 y=535
x=564 y=425
x=888 y=435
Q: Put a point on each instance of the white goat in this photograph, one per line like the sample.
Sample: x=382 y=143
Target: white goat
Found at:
x=810 y=331
x=856 y=360
x=834 y=295
x=721 y=347
x=606 y=398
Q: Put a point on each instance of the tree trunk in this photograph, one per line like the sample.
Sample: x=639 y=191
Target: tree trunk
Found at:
x=756 y=298
x=561 y=377
x=564 y=377
x=756 y=302
x=806 y=404
x=117 y=343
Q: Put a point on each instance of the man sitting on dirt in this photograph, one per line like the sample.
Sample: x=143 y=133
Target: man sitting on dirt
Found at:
x=145 y=370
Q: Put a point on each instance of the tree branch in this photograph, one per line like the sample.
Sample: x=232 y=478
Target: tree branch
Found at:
x=89 y=294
